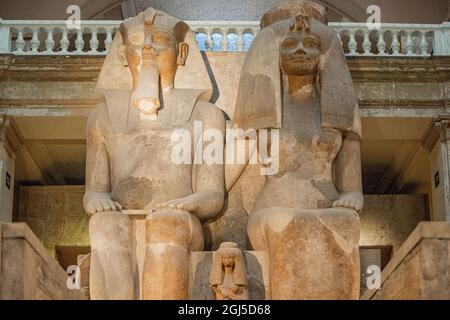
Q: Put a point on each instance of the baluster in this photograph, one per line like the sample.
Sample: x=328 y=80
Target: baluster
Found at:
x=381 y=45
x=240 y=39
x=79 y=43
x=224 y=40
x=20 y=42
x=409 y=44
x=424 y=44
x=352 y=44
x=94 y=43
x=208 y=40
x=395 y=43
x=367 y=45
x=35 y=43
x=109 y=39
x=253 y=33
x=64 y=42
x=49 y=42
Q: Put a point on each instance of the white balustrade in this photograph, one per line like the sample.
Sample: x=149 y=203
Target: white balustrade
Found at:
x=393 y=39
x=95 y=37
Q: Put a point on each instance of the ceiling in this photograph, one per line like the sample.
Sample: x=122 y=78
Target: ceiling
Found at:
x=418 y=11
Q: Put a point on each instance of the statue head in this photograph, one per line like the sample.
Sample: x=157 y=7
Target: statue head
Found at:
x=300 y=49
x=296 y=41
x=151 y=54
x=152 y=51
x=229 y=255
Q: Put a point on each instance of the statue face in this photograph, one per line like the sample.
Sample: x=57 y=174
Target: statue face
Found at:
x=300 y=53
x=228 y=260
x=152 y=55
x=156 y=46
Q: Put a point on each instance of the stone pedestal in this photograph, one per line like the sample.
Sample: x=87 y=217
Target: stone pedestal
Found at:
x=421 y=267
x=27 y=271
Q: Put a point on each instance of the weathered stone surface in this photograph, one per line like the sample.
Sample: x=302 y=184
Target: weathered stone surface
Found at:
x=55 y=214
x=421 y=267
x=27 y=270
x=388 y=220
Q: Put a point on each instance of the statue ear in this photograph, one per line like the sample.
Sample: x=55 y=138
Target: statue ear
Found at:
x=183 y=53
x=123 y=55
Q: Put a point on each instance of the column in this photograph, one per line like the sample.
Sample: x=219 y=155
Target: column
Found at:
x=10 y=143
x=440 y=172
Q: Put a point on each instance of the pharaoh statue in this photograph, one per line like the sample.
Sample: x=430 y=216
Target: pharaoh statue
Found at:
x=296 y=80
x=154 y=81
x=228 y=275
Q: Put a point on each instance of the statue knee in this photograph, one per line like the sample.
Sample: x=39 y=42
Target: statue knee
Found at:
x=177 y=227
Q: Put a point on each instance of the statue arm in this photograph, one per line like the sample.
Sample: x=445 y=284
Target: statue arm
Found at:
x=209 y=184
x=97 y=197
x=348 y=178
x=236 y=143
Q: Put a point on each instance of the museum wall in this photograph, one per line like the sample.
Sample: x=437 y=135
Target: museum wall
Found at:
x=7 y=170
x=56 y=216
x=388 y=220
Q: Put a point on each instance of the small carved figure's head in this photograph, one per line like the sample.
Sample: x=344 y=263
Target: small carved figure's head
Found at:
x=152 y=49
x=228 y=256
x=228 y=259
x=300 y=49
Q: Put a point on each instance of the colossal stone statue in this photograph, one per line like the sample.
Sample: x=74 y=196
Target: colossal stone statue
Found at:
x=154 y=81
x=228 y=275
x=295 y=79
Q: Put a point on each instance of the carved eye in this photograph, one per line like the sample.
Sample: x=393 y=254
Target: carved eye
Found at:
x=310 y=43
x=290 y=43
x=137 y=38
x=162 y=38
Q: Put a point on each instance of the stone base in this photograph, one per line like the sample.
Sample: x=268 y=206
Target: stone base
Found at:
x=420 y=270
x=27 y=271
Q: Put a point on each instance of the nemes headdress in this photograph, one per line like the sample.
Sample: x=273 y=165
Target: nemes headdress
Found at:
x=259 y=101
x=192 y=81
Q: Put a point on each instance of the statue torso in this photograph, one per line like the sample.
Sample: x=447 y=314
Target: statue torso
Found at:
x=307 y=152
x=142 y=171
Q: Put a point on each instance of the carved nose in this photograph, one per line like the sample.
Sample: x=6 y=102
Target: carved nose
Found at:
x=300 y=49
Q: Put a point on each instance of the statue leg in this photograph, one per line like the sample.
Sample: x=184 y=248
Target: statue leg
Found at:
x=111 y=273
x=170 y=236
x=313 y=254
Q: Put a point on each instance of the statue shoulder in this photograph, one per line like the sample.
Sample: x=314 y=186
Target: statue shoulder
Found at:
x=208 y=112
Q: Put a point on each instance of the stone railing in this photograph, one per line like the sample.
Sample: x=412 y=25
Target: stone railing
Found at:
x=394 y=39
x=94 y=38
